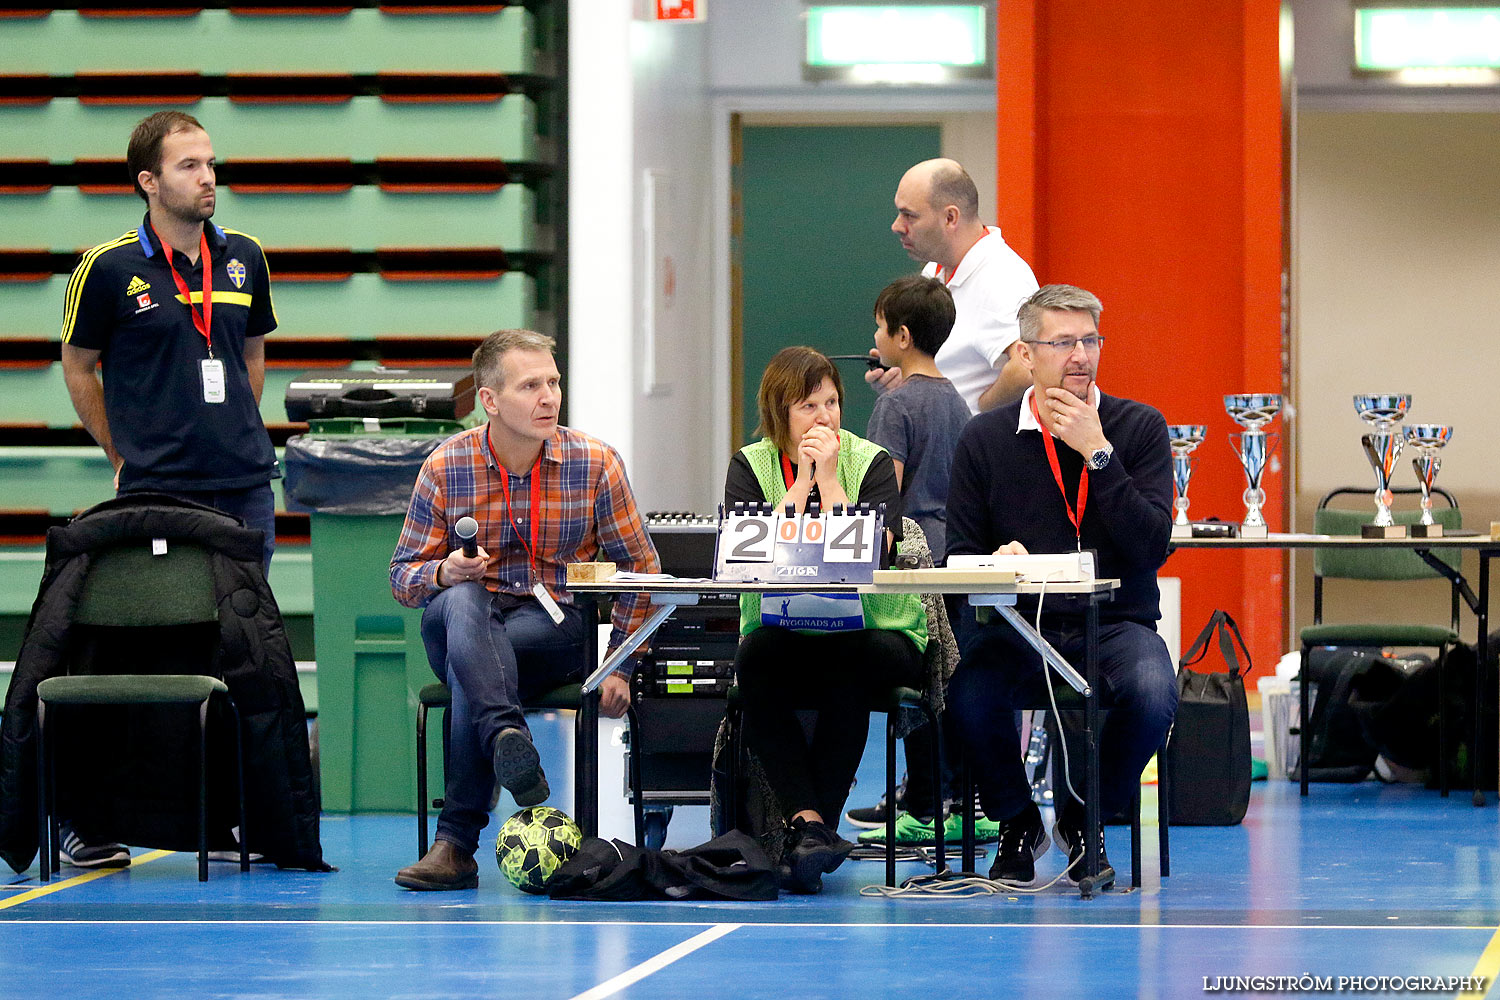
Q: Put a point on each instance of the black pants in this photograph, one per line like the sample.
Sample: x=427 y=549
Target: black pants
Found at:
x=921 y=744
x=837 y=674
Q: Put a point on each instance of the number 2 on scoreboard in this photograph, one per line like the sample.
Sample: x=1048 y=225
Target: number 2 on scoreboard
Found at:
x=749 y=539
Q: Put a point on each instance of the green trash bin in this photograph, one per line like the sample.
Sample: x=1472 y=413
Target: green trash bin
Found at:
x=355 y=477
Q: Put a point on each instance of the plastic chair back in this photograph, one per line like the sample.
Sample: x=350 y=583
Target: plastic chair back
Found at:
x=128 y=585
x=1377 y=563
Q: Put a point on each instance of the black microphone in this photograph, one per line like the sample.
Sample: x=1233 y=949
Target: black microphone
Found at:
x=467 y=530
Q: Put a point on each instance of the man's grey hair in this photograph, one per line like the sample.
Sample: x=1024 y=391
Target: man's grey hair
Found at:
x=491 y=352
x=952 y=185
x=1070 y=298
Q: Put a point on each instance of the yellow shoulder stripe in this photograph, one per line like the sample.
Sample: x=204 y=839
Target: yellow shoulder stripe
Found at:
x=74 y=290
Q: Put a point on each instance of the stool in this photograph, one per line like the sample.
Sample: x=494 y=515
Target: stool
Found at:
x=133 y=689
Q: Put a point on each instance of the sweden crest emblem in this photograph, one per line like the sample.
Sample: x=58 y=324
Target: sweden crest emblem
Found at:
x=236 y=272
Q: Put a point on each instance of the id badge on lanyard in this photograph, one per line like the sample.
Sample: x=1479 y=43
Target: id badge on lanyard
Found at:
x=547 y=601
x=210 y=369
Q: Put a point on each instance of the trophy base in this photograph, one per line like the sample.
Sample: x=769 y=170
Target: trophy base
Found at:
x=1182 y=531
x=1382 y=531
x=1254 y=531
x=1427 y=531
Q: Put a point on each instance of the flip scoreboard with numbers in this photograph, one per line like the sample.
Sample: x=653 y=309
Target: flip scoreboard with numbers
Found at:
x=760 y=544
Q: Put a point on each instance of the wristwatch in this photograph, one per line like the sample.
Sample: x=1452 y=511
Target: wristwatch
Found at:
x=1100 y=458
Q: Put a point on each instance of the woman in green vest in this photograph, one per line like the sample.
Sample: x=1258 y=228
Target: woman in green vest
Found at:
x=833 y=651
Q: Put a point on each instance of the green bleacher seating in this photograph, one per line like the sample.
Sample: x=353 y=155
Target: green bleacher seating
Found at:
x=361 y=218
x=363 y=128
x=369 y=41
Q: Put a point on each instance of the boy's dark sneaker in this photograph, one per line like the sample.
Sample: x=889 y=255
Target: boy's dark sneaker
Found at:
x=870 y=817
x=1067 y=833
x=1023 y=839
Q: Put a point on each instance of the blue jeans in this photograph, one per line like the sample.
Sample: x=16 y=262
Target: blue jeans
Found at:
x=493 y=651
x=998 y=674
x=255 y=505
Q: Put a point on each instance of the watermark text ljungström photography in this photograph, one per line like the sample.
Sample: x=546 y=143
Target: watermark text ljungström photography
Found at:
x=1345 y=984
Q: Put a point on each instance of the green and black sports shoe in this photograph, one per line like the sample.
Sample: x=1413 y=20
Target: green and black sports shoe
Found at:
x=913 y=832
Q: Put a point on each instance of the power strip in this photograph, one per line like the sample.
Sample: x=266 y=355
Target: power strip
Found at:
x=1037 y=567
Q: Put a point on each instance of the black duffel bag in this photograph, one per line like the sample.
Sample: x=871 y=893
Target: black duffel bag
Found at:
x=1208 y=751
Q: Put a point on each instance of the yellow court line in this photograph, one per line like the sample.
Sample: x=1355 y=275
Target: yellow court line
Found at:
x=68 y=883
x=1487 y=967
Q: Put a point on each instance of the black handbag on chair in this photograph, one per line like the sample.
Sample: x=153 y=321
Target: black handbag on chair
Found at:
x=1209 y=747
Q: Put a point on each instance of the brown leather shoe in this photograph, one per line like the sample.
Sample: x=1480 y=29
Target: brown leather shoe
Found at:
x=445 y=867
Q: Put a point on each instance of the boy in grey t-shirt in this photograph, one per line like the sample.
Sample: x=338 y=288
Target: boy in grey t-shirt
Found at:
x=919 y=421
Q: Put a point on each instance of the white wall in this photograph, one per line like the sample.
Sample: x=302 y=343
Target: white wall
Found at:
x=676 y=464
x=1398 y=272
x=638 y=101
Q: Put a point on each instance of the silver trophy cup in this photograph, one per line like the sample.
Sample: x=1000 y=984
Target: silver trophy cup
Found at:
x=1428 y=439
x=1253 y=411
x=1382 y=444
x=1184 y=438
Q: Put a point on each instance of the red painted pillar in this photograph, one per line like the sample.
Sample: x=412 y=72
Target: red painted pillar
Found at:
x=1139 y=155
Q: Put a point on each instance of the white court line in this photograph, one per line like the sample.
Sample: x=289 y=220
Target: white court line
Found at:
x=655 y=964
x=449 y=925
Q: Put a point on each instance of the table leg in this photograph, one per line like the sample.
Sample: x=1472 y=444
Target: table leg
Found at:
x=1092 y=847
x=586 y=741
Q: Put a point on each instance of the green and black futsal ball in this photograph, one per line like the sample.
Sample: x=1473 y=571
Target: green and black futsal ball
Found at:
x=533 y=844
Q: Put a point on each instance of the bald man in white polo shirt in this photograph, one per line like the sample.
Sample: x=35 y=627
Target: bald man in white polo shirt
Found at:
x=937 y=220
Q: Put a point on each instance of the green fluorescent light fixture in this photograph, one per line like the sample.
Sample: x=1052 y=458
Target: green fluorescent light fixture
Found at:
x=1391 y=39
x=897 y=43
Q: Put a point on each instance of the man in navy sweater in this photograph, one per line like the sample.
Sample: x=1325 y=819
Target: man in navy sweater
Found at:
x=1066 y=468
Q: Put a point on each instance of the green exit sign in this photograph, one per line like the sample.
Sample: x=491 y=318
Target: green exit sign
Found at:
x=897 y=43
x=1415 y=38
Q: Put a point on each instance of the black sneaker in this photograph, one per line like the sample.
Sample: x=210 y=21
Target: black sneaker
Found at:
x=813 y=850
x=79 y=853
x=519 y=769
x=1023 y=839
x=871 y=817
x=1067 y=833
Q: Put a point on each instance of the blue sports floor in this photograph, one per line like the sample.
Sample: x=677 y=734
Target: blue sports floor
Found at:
x=1355 y=882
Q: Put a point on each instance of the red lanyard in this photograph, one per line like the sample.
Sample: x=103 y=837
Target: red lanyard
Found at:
x=536 y=503
x=787 y=475
x=202 y=320
x=1083 y=477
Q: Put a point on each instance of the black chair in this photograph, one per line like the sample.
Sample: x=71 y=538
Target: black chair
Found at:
x=585 y=753
x=130 y=590
x=1070 y=700
x=194 y=691
x=890 y=701
x=1379 y=564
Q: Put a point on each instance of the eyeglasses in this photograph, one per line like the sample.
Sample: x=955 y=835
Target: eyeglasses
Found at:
x=1066 y=345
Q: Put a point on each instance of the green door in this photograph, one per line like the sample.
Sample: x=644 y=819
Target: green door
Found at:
x=816 y=246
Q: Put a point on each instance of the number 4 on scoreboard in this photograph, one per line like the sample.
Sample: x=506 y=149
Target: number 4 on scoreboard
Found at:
x=850 y=538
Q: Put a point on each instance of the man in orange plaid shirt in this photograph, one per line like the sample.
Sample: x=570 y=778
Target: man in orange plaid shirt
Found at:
x=500 y=625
